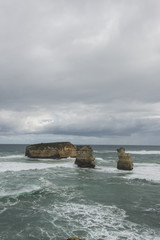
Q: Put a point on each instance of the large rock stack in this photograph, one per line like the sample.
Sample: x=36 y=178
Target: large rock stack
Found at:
x=124 y=162
x=85 y=157
x=51 y=150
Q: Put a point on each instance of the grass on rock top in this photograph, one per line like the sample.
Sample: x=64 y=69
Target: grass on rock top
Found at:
x=52 y=144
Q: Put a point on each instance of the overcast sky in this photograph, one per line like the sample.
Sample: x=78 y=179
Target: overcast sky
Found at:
x=85 y=71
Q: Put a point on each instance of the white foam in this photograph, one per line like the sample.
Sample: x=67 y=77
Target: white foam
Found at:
x=107 y=169
x=144 y=152
x=95 y=221
x=16 y=192
x=51 y=159
x=100 y=159
x=147 y=171
x=141 y=152
x=104 y=160
x=20 y=166
x=103 y=151
x=12 y=156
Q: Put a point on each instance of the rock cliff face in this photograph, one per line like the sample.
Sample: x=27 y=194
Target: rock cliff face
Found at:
x=124 y=162
x=85 y=157
x=51 y=150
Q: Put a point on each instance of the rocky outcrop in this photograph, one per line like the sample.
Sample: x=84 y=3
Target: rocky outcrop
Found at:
x=124 y=162
x=85 y=157
x=51 y=150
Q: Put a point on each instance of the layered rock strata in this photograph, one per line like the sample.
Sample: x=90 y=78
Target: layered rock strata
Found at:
x=85 y=157
x=51 y=150
x=124 y=162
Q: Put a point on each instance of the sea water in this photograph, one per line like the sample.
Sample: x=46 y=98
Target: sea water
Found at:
x=54 y=199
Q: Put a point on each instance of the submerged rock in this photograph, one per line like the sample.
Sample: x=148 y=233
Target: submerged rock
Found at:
x=85 y=157
x=51 y=150
x=124 y=162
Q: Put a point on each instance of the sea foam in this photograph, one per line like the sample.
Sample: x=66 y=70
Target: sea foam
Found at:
x=147 y=171
x=12 y=156
x=94 y=221
x=144 y=152
x=24 y=166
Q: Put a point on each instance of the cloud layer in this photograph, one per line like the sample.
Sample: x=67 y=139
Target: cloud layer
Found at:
x=85 y=71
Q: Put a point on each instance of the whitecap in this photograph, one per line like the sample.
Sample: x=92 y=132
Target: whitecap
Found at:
x=12 y=156
x=144 y=152
x=51 y=159
x=98 y=158
x=24 y=166
x=147 y=171
x=96 y=221
x=108 y=169
x=103 y=151
x=140 y=152
x=17 y=192
x=104 y=160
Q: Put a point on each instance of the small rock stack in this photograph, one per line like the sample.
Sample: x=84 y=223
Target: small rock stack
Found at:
x=124 y=162
x=85 y=157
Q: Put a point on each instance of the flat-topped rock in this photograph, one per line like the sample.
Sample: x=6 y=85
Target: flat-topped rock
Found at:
x=51 y=150
x=124 y=162
x=85 y=157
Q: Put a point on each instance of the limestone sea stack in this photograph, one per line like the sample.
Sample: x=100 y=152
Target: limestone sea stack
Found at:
x=51 y=150
x=85 y=157
x=124 y=162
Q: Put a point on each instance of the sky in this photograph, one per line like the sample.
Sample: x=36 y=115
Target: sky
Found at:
x=85 y=71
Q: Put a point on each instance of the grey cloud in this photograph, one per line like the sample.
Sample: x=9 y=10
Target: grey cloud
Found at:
x=82 y=120
x=101 y=55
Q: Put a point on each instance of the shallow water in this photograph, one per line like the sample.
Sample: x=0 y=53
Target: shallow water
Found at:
x=54 y=199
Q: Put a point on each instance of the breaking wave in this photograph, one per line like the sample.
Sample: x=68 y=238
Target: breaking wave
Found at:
x=12 y=156
x=144 y=152
x=24 y=166
x=95 y=221
x=142 y=171
x=103 y=151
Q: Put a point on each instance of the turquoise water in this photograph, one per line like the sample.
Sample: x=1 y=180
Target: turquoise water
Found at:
x=54 y=199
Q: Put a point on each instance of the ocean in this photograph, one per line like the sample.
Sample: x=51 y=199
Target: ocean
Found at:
x=54 y=199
